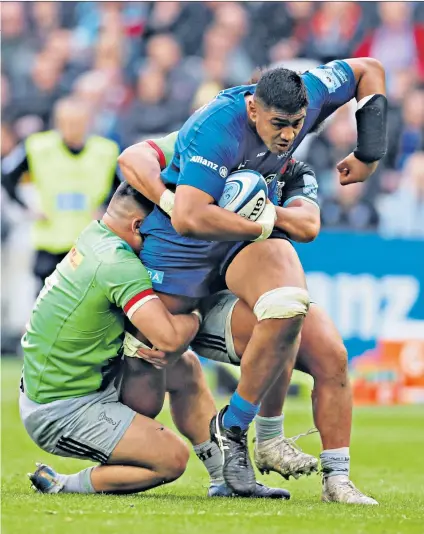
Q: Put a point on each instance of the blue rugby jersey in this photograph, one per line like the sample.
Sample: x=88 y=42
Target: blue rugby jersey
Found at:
x=217 y=140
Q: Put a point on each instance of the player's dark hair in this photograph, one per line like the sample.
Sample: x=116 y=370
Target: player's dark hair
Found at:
x=282 y=89
x=126 y=191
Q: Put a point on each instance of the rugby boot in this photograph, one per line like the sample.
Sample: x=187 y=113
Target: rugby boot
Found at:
x=261 y=492
x=281 y=455
x=237 y=468
x=45 y=479
x=340 y=489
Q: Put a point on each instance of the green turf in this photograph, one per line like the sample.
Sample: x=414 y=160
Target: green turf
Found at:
x=388 y=462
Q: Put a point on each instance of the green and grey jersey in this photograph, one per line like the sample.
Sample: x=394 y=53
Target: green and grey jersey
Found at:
x=72 y=345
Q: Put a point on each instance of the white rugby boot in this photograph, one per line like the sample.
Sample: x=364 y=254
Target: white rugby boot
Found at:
x=283 y=456
x=340 y=489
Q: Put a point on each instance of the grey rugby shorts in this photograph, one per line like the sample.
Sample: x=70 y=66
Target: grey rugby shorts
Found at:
x=87 y=428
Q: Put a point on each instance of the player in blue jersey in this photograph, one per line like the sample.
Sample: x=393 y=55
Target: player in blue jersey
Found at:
x=256 y=127
x=226 y=329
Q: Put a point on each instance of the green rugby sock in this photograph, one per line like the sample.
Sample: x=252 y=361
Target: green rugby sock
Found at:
x=269 y=427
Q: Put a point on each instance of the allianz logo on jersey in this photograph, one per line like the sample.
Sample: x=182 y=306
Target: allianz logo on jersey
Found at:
x=223 y=171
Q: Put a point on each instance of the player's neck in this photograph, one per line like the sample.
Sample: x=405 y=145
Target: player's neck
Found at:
x=114 y=225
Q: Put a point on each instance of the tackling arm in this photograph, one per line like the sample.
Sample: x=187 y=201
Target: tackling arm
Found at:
x=300 y=220
x=298 y=212
x=168 y=333
x=140 y=164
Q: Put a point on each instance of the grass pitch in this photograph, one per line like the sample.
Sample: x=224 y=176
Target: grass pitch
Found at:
x=388 y=463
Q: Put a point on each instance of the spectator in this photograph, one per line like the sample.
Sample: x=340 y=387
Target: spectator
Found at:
x=333 y=30
x=34 y=108
x=73 y=175
x=300 y=13
x=273 y=23
x=398 y=42
x=404 y=82
x=214 y=80
x=182 y=75
x=349 y=207
x=17 y=50
x=407 y=134
x=217 y=46
x=152 y=112
x=402 y=212
x=46 y=17
x=187 y=21
x=233 y=23
x=7 y=111
x=8 y=139
x=286 y=54
x=59 y=46
x=105 y=98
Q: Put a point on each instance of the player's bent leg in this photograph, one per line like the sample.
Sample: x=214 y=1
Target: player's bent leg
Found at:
x=268 y=276
x=143 y=387
x=192 y=407
x=223 y=337
x=323 y=355
x=148 y=455
x=214 y=341
x=273 y=451
x=191 y=401
x=135 y=452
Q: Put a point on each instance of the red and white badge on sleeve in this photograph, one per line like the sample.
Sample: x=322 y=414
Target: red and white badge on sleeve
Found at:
x=137 y=301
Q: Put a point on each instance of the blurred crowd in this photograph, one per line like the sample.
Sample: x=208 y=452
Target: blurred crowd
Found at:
x=143 y=67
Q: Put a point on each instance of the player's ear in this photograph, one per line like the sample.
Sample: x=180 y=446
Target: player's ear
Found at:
x=135 y=225
x=253 y=109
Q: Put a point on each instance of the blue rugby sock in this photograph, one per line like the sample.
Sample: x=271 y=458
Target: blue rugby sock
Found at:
x=240 y=412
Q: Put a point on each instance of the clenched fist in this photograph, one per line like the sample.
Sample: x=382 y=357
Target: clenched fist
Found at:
x=351 y=170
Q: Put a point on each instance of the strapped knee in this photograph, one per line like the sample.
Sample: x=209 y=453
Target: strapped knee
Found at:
x=282 y=303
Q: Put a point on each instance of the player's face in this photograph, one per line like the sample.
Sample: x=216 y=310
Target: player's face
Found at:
x=277 y=129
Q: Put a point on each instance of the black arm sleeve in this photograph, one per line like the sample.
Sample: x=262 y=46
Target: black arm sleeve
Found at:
x=12 y=168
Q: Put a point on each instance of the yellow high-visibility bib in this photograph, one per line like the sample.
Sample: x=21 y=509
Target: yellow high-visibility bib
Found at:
x=71 y=187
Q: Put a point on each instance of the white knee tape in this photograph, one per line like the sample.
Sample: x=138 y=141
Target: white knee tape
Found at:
x=132 y=344
x=282 y=303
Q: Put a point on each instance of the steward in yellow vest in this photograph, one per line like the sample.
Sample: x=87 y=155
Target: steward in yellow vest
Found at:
x=74 y=174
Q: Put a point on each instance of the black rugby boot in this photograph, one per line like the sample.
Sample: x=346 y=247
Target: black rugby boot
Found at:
x=237 y=468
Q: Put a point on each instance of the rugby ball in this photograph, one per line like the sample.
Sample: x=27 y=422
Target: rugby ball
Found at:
x=245 y=193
